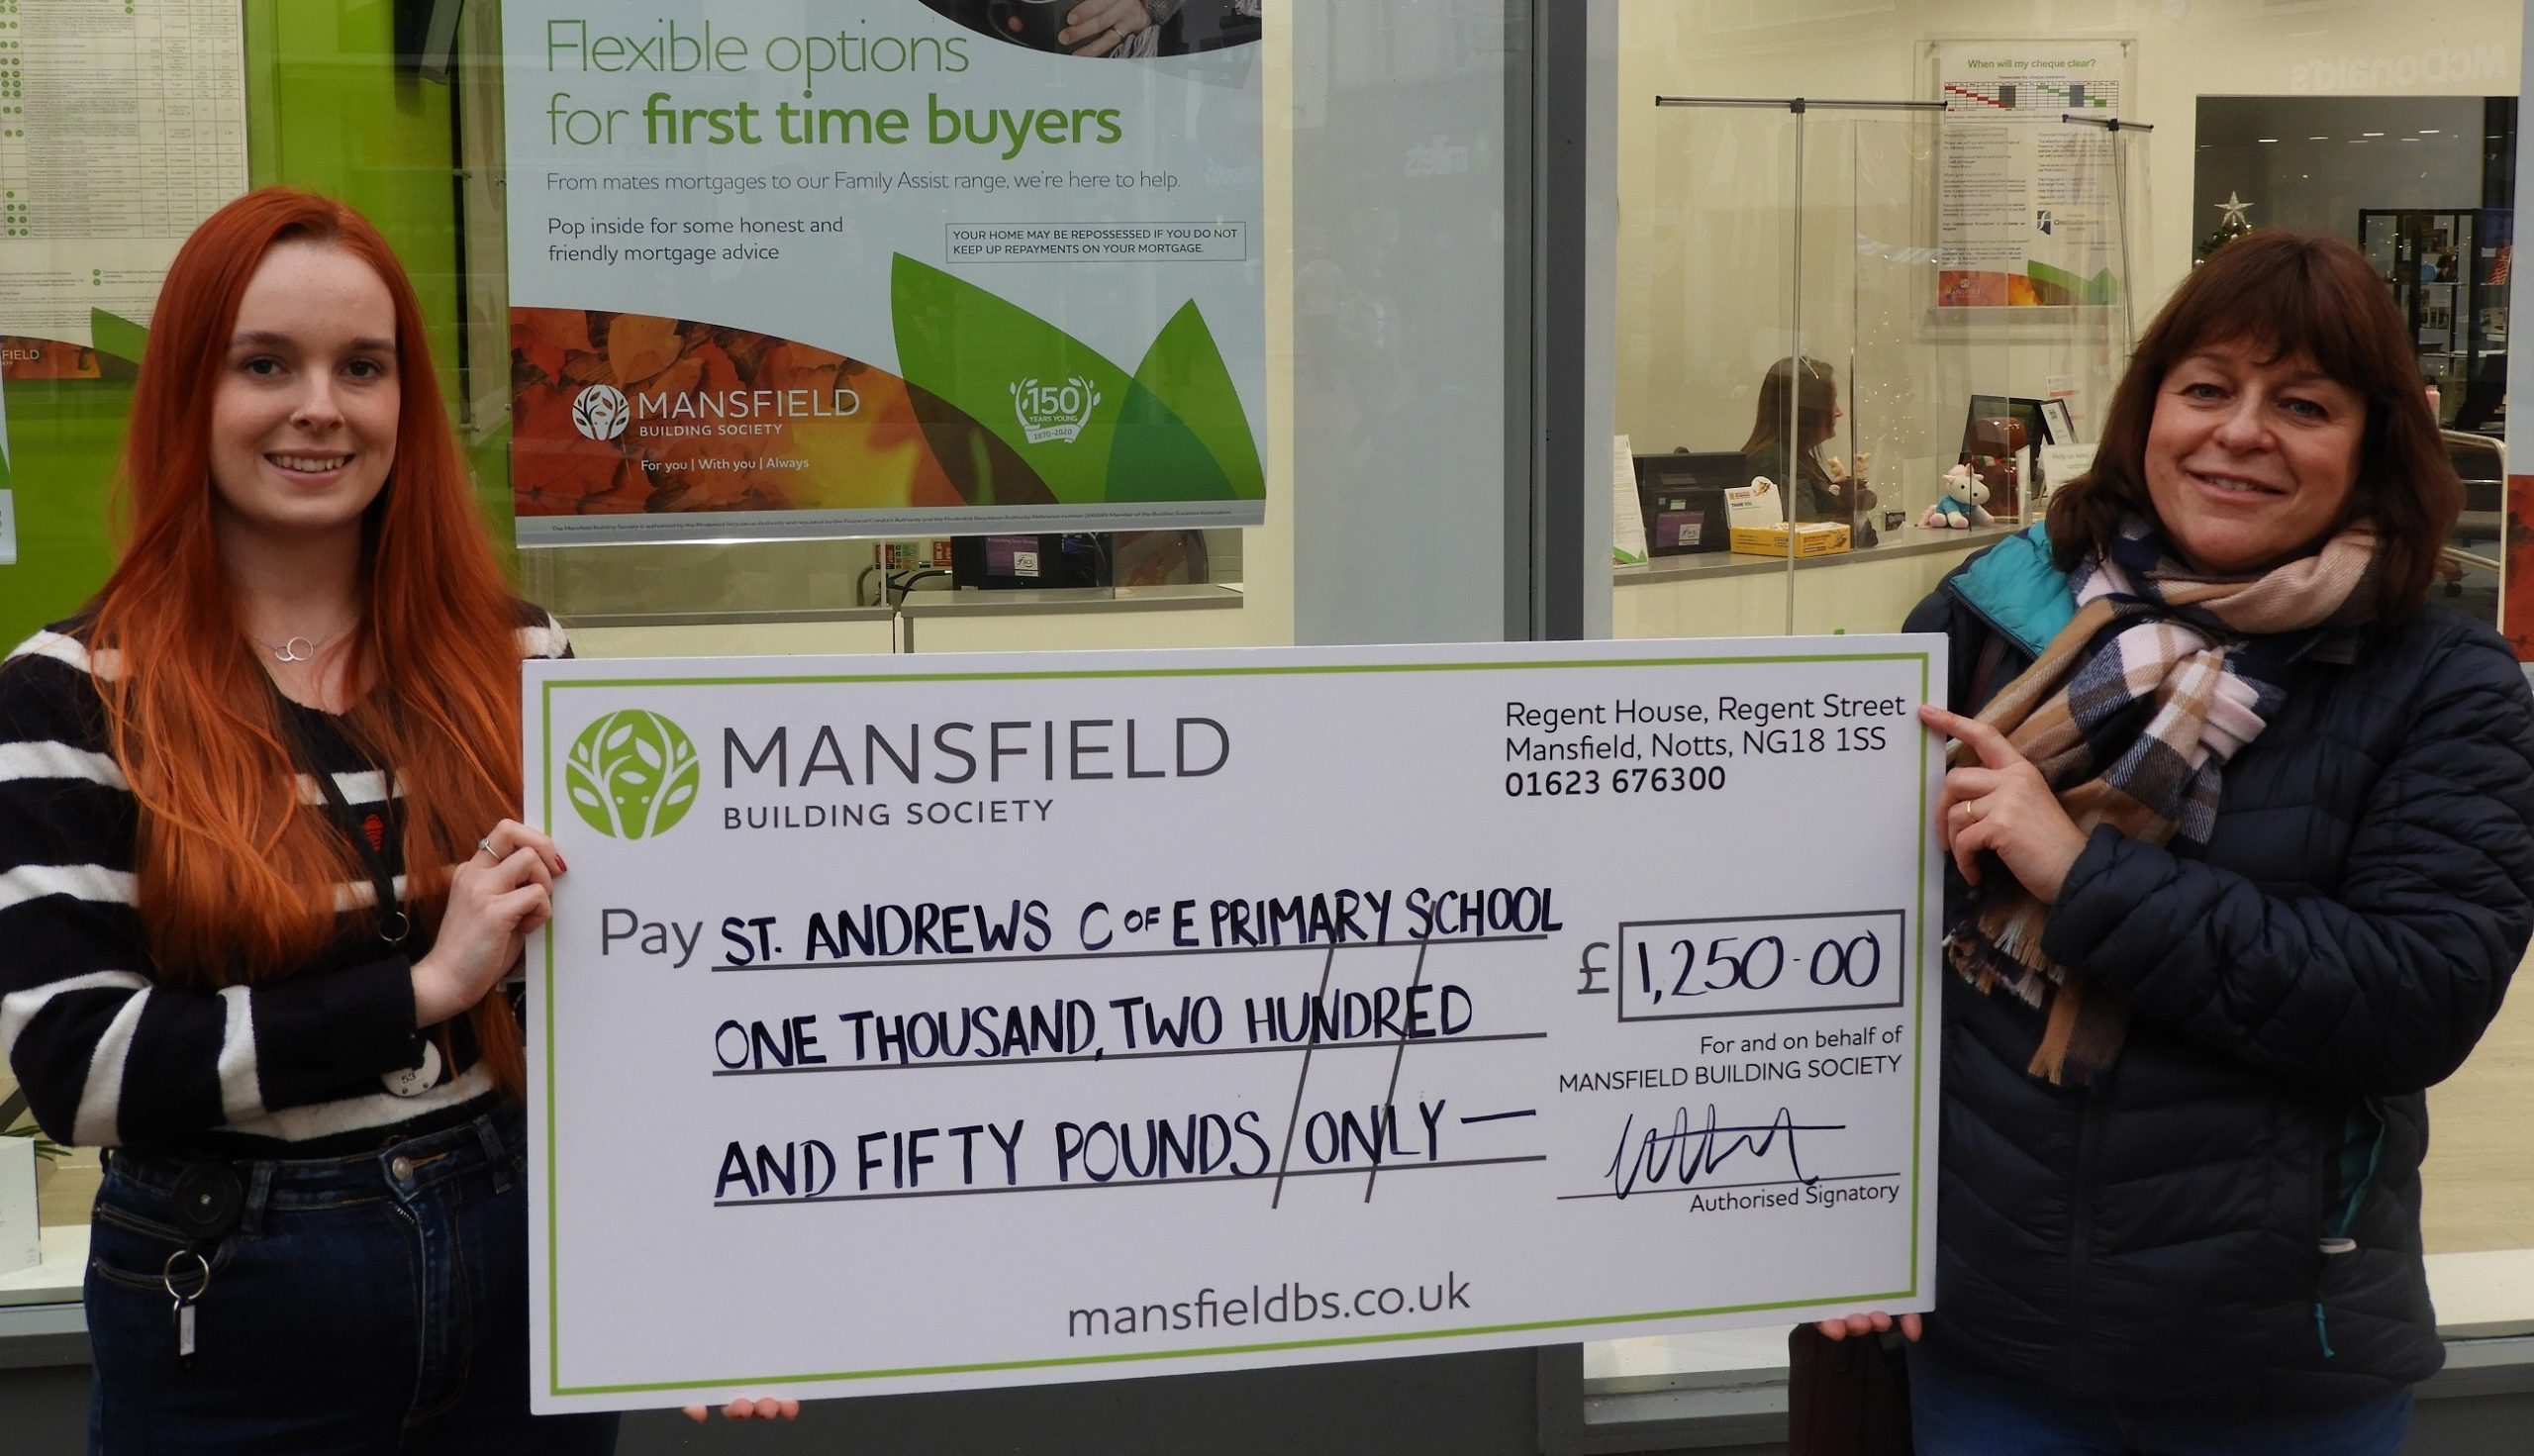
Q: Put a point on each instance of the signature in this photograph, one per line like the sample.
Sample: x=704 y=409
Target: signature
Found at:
x=1684 y=1154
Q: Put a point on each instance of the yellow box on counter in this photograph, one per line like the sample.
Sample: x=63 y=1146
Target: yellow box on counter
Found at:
x=1811 y=539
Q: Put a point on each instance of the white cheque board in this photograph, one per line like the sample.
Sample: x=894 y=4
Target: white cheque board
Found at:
x=921 y=1024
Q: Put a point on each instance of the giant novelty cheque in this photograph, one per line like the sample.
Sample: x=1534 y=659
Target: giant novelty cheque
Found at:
x=879 y=266
x=1029 y=1018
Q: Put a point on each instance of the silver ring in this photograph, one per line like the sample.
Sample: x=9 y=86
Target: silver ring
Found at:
x=486 y=844
x=167 y=1274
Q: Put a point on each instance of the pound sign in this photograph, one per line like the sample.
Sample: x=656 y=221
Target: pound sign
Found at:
x=1592 y=973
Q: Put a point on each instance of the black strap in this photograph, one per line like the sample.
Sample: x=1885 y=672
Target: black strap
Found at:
x=394 y=924
x=392 y=930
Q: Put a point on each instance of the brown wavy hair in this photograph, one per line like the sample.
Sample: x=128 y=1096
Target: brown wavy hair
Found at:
x=1795 y=392
x=236 y=874
x=2285 y=294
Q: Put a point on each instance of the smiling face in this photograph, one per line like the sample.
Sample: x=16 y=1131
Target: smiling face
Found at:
x=2250 y=463
x=304 y=415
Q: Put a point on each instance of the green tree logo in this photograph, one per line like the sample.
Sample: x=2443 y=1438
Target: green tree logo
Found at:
x=632 y=774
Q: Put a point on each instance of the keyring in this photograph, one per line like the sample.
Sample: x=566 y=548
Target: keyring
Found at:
x=167 y=1274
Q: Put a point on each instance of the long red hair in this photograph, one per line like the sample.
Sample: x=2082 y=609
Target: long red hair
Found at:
x=236 y=873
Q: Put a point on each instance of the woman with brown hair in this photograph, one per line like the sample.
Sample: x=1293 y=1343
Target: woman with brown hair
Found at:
x=2242 y=841
x=260 y=878
x=1799 y=412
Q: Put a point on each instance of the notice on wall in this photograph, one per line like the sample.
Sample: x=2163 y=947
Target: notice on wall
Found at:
x=1048 y=1018
x=2028 y=201
x=1628 y=519
x=121 y=128
x=919 y=266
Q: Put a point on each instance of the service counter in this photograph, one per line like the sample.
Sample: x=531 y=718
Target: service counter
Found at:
x=1724 y=594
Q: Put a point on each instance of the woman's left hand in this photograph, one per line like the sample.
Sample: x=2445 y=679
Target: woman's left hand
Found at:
x=2002 y=807
x=745 y=1409
x=1105 y=25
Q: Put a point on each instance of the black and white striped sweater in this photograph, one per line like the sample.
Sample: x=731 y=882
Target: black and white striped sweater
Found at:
x=107 y=1056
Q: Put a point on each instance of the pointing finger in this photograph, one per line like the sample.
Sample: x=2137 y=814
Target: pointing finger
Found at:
x=1991 y=744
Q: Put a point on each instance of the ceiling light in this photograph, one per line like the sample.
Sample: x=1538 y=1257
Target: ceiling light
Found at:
x=2265 y=140
x=2428 y=130
x=2370 y=133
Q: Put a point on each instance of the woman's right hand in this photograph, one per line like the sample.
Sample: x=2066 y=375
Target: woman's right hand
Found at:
x=744 y=1408
x=497 y=898
x=1872 y=1321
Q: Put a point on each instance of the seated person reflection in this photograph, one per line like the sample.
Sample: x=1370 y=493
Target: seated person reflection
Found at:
x=1802 y=395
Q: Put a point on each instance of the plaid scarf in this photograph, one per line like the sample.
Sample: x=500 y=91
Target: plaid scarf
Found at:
x=2130 y=715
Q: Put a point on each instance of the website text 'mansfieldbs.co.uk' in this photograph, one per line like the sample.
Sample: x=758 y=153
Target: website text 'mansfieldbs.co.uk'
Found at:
x=1286 y=1304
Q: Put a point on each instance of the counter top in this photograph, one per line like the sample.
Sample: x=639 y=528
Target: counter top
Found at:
x=1907 y=542
x=1081 y=598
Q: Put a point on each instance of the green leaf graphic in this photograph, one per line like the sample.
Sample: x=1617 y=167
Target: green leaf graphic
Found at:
x=1185 y=371
x=973 y=351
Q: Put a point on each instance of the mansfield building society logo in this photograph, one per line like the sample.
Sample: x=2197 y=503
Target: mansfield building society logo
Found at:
x=1053 y=411
x=603 y=412
x=600 y=411
x=632 y=774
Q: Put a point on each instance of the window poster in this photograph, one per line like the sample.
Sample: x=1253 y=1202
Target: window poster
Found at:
x=885 y=266
x=2030 y=200
x=121 y=126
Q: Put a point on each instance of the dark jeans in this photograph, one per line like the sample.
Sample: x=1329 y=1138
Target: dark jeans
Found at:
x=370 y=1304
x=1956 y=1409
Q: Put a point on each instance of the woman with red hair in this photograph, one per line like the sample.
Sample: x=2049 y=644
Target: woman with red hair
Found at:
x=261 y=880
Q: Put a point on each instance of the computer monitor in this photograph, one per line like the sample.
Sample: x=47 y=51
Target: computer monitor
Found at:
x=1681 y=498
x=1005 y=562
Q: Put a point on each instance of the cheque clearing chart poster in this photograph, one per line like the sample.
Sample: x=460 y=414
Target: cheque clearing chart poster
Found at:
x=885 y=266
x=1079 y=1015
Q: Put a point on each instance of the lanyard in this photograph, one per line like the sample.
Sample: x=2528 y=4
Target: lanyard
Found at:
x=393 y=923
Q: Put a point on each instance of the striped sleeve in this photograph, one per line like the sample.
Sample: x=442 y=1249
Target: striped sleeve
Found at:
x=540 y=632
x=106 y=1055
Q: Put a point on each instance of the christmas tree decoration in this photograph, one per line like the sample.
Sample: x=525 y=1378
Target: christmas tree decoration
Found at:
x=2232 y=226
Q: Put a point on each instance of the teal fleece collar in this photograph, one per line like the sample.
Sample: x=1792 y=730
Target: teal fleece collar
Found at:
x=2015 y=585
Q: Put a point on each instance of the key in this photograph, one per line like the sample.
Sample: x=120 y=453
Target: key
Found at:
x=185 y=1300
x=184 y=1332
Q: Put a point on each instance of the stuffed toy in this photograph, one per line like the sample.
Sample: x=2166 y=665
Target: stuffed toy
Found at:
x=1960 y=508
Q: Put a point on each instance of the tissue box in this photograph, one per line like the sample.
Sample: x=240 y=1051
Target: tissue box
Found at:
x=21 y=1241
x=1811 y=539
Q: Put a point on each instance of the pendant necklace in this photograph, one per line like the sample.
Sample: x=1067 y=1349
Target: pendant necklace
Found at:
x=301 y=648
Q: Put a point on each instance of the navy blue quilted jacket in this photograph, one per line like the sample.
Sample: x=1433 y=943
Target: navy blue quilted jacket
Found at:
x=2231 y=1218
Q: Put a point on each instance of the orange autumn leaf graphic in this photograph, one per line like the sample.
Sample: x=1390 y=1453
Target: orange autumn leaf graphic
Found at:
x=875 y=458
x=545 y=336
x=639 y=346
x=718 y=372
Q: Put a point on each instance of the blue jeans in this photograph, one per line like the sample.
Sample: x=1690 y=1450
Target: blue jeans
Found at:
x=369 y=1304
x=1957 y=1410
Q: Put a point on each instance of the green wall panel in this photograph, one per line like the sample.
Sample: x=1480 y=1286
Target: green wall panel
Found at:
x=326 y=110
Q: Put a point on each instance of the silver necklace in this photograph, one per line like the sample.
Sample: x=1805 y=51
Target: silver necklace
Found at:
x=302 y=648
